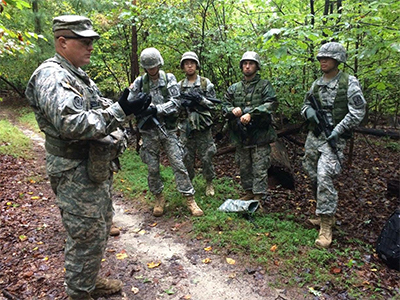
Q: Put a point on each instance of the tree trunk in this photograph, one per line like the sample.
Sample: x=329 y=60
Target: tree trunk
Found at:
x=35 y=9
x=135 y=73
x=395 y=135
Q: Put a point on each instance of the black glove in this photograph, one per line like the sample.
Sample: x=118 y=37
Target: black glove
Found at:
x=195 y=96
x=151 y=110
x=139 y=104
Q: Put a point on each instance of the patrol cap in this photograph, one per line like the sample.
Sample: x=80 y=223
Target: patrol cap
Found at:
x=79 y=25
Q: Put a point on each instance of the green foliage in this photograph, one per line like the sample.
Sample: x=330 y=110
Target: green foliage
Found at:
x=13 y=141
x=286 y=34
x=13 y=38
x=27 y=117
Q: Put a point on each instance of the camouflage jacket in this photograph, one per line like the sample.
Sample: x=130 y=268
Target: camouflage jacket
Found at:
x=164 y=96
x=327 y=93
x=71 y=111
x=197 y=117
x=256 y=97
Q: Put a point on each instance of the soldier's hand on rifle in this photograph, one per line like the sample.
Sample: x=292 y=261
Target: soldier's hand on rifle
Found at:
x=195 y=96
x=139 y=103
x=151 y=110
x=311 y=115
x=334 y=136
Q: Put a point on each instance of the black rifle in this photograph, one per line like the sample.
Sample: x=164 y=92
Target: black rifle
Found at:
x=191 y=98
x=154 y=119
x=159 y=126
x=323 y=125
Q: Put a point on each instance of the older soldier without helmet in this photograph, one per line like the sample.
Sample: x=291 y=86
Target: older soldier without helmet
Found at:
x=195 y=126
x=342 y=100
x=83 y=141
x=158 y=126
x=249 y=107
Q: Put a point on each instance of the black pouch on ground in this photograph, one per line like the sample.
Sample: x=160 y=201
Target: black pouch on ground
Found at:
x=388 y=243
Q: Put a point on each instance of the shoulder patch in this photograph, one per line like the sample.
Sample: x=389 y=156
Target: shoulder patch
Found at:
x=174 y=91
x=358 y=101
x=78 y=102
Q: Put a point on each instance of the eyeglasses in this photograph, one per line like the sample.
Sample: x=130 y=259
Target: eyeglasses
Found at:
x=85 y=41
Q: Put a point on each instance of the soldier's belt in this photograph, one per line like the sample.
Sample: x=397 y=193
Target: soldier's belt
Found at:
x=67 y=149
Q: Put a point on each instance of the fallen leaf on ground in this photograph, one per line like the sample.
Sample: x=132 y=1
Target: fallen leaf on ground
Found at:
x=230 y=261
x=336 y=270
x=273 y=248
x=121 y=255
x=152 y=265
x=206 y=260
x=23 y=237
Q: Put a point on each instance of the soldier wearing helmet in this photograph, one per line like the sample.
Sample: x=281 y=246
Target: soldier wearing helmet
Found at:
x=190 y=56
x=250 y=104
x=158 y=126
x=196 y=121
x=342 y=101
x=250 y=56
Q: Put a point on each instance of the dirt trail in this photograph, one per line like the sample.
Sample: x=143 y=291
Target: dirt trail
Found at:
x=181 y=271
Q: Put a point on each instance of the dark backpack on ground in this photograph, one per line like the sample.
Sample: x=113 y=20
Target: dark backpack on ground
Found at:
x=388 y=243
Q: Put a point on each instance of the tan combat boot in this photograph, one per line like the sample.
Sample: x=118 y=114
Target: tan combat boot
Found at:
x=114 y=230
x=248 y=196
x=159 y=205
x=314 y=222
x=210 y=189
x=192 y=205
x=106 y=287
x=317 y=221
x=325 y=233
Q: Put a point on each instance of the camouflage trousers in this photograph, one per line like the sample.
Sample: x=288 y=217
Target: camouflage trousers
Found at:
x=322 y=166
x=86 y=211
x=153 y=142
x=254 y=163
x=200 y=143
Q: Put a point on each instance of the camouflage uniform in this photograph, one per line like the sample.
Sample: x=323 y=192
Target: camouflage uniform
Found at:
x=83 y=141
x=153 y=139
x=71 y=112
x=253 y=149
x=195 y=128
x=319 y=161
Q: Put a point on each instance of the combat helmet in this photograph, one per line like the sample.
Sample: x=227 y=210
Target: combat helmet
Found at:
x=333 y=50
x=190 y=55
x=251 y=55
x=151 y=58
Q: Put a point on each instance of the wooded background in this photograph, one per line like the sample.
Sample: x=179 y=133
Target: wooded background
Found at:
x=286 y=34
